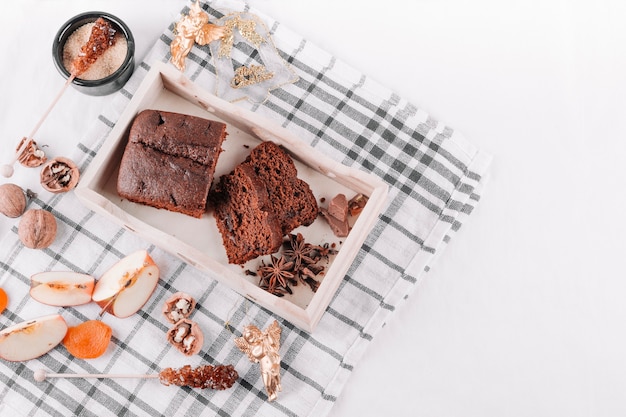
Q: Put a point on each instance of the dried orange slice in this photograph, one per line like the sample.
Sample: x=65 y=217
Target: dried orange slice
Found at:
x=4 y=300
x=88 y=340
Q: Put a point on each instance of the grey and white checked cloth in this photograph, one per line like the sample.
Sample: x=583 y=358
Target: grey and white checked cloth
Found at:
x=435 y=179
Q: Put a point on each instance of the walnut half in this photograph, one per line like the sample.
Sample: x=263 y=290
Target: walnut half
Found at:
x=179 y=306
x=59 y=175
x=31 y=155
x=186 y=336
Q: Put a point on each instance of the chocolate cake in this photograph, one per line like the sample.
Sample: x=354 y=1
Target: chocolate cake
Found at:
x=248 y=226
x=290 y=197
x=259 y=202
x=169 y=161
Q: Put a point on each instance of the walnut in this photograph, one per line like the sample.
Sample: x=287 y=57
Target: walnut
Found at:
x=37 y=228
x=31 y=155
x=179 y=306
x=12 y=200
x=59 y=175
x=186 y=336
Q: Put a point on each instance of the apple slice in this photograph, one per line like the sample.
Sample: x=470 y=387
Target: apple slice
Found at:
x=62 y=289
x=127 y=285
x=32 y=338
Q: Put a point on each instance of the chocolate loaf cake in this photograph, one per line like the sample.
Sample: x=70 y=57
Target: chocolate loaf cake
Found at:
x=170 y=160
x=261 y=201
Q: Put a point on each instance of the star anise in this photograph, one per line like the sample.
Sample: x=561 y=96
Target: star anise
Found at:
x=304 y=259
x=276 y=275
x=299 y=252
x=299 y=263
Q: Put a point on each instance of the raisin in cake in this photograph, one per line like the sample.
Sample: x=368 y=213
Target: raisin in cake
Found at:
x=169 y=161
x=261 y=201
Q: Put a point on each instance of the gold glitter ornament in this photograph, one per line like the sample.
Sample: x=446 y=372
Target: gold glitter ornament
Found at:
x=247 y=29
x=245 y=76
x=240 y=74
x=262 y=348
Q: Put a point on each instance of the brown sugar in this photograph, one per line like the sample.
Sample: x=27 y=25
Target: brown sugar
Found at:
x=111 y=59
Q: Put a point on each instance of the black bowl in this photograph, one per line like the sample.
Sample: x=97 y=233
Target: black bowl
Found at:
x=106 y=85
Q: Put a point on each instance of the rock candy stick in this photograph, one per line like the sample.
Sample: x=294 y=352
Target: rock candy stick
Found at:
x=206 y=376
x=218 y=377
x=102 y=36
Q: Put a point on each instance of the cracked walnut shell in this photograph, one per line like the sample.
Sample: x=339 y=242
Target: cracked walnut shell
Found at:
x=59 y=175
x=179 y=306
x=186 y=336
x=31 y=155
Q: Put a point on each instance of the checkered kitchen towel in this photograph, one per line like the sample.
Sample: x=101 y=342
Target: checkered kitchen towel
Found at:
x=435 y=178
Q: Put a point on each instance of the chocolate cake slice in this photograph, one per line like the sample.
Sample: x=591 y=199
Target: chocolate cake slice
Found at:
x=261 y=201
x=290 y=197
x=170 y=160
x=244 y=218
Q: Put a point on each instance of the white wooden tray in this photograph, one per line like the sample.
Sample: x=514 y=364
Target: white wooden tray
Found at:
x=197 y=241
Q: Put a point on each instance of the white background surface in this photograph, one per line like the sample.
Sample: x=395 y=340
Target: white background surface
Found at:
x=525 y=313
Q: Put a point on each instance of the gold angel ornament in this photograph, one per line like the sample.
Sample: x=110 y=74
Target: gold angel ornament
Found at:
x=194 y=27
x=262 y=348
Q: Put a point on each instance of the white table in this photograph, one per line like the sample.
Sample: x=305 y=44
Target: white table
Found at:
x=524 y=313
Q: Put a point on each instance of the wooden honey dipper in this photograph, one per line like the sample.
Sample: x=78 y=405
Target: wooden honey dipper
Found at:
x=102 y=36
